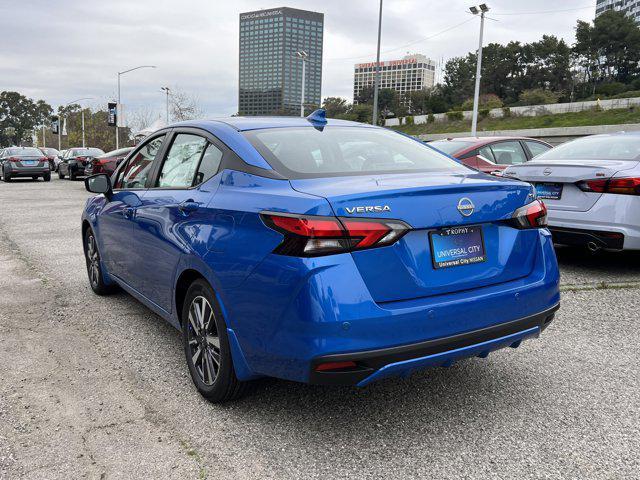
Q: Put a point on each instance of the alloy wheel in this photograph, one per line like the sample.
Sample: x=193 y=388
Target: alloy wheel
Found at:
x=93 y=260
x=204 y=342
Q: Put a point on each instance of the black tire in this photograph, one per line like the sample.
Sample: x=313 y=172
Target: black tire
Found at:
x=60 y=174
x=94 y=267
x=72 y=175
x=6 y=177
x=47 y=177
x=216 y=385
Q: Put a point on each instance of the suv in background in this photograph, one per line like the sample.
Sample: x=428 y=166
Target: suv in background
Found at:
x=491 y=154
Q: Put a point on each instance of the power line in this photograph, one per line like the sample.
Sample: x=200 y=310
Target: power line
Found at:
x=424 y=39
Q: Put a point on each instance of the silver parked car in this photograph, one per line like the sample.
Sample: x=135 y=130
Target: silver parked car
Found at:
x=24 y=162
x=591 y=187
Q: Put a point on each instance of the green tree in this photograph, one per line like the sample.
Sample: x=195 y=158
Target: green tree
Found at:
x=19 y=116
x=609 y=50
x=459 y=78
x=335 y=106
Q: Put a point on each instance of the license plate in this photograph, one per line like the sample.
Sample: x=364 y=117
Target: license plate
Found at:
x=549 y=191
x=29 y=163
x=456 y=246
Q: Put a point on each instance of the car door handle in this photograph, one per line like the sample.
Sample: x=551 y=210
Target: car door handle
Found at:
x=188 y=206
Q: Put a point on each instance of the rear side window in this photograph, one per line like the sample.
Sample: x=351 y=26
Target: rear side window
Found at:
x=191 y=160
x=508 y=153
x=307 y=152
x=536 y=148
x=487 y=153
x=136 y=171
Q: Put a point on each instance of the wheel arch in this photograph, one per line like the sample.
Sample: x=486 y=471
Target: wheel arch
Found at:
x=183 y=281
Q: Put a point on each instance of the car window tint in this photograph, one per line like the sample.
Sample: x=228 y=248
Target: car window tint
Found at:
x=508 y=153
x=180 y=166
x=487 y=153
x=137 y=169
x=209 y=164
x=536 y=148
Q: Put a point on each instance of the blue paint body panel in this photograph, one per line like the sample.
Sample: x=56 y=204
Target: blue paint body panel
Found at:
x=283 y=312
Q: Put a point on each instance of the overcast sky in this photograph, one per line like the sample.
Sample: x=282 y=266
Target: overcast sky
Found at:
x=60 y=50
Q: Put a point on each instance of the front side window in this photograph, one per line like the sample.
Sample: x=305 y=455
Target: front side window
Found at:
x=180 y=166
x=508 y=153
x=136 y=171
x=307 y=152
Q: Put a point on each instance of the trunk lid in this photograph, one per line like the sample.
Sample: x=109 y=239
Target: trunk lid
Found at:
x=567 y=173
x=429 y=203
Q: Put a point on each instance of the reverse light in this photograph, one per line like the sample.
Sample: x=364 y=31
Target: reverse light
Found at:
x=532 y=215
x=621 y=186
x=312 y=236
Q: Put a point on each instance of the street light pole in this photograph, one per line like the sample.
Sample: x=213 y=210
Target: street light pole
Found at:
x=60 y=121
x=376 y=83
x=118 y=106
x=167 y=90
x=303 y=56
x=476 y=94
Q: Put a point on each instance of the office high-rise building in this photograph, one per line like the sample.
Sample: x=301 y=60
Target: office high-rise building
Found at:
x=412 y=72
x=630 y=7
x=270 y=69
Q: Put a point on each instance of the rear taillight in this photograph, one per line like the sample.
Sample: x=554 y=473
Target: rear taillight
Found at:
x=621 y=186
x=312 y=236
x=13 y=159
x=533 y=215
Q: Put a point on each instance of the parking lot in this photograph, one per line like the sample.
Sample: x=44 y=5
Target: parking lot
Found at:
x=94 y=387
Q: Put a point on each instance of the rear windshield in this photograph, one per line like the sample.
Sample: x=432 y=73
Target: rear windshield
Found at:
x=50 y=151
x=450 y=147
x=308 y=152
x=24 y=152
x=89 y=152
x=614 y=147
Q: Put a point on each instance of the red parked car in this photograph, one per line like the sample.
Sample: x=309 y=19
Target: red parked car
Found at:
x=491 y=154
x=107 y=162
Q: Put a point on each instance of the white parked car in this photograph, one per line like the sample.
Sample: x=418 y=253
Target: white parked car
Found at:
x=591 y=187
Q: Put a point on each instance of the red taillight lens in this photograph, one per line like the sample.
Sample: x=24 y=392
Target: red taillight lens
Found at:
x=621 y=186
x=13 y=159
x=312 y=236
x=533 y=215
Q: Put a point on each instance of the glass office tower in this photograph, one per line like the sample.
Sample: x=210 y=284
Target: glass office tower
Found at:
x=270 y=70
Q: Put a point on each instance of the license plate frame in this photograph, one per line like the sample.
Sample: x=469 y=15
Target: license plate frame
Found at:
x=554 y=194
x=29 y=163
x=452 y=240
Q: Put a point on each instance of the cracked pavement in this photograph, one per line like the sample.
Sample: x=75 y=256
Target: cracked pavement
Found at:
x=94 y=387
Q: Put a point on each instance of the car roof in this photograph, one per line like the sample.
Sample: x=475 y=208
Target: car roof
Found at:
x=255 y=123
x=485 y=140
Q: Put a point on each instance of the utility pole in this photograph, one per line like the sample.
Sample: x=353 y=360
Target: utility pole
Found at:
x=376 y=84
x=482 y=9
x=302 y=55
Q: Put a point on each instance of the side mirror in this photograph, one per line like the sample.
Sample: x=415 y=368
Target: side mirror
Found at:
x=99 y=183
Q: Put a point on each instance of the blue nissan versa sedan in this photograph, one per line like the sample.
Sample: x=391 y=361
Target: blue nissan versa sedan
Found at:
x=325 y=252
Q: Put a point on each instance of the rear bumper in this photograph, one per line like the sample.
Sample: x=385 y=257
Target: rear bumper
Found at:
x=579 y=237
x=374 y=365
x=302 y=311
x=611 y=214
x=17 y=172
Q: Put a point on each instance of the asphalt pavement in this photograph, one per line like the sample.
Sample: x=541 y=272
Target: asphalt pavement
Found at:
x=97 y=387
